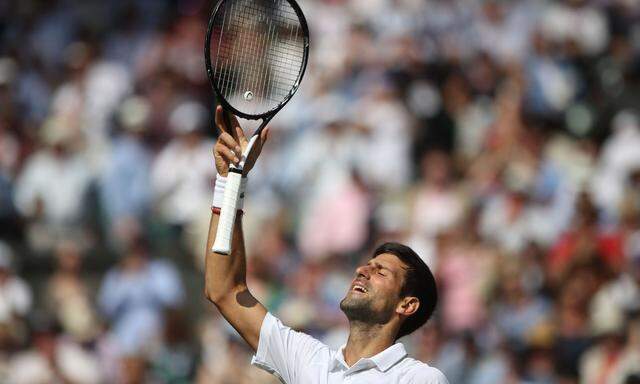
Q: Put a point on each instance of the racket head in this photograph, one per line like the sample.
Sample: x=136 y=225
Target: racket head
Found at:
x=274 y=33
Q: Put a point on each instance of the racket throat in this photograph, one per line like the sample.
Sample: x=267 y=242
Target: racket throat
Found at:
x=252 y=143
x=246 y=153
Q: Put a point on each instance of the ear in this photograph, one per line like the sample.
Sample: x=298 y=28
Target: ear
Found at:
x=408 y=306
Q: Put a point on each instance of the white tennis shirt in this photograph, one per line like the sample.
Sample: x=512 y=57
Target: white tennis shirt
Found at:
x=297 y=358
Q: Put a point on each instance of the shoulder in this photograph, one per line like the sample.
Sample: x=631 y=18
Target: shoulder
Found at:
x=274 y=324
x=418 y=372
x=278 y=334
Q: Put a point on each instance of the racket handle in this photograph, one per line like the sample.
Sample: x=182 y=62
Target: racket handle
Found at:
x=224 y=234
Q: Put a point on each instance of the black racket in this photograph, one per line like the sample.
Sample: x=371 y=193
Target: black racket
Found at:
x=256 y=53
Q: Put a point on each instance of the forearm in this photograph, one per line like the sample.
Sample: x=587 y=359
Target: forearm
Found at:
x=226 y=287
x=225 y=274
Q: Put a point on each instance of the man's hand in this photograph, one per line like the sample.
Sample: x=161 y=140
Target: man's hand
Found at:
x=232 y=142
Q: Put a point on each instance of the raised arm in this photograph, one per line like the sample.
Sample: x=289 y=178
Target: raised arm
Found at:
x=225 y=275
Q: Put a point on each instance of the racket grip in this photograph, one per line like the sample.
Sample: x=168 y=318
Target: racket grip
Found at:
x=228 y=211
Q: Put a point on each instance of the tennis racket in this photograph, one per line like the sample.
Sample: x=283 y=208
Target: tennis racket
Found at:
x=256 y=53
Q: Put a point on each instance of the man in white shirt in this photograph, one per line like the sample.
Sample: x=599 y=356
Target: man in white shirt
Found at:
x=391 y=296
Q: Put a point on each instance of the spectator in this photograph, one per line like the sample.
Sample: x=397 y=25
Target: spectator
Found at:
x=175 y=359
x=68 y=296
x=134 y=295
x=125 y=191
x=182 y=174
x=15 y=294
x=37 y=363
x=52 y=187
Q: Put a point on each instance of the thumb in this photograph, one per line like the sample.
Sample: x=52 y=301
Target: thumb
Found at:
x=264 y=135
x=240 y=134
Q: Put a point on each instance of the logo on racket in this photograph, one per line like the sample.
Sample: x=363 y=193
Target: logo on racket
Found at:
x=248 y=96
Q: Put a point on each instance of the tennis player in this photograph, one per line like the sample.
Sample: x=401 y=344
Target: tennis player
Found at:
x=391 y=296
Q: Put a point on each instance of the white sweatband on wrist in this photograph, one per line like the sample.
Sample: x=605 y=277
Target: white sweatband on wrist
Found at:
x=218 y=191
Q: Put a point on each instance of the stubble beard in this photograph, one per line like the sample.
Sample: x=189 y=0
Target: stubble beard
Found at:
x=361 y=310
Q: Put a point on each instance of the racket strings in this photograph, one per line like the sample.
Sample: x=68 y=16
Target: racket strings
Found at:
x=259 y=53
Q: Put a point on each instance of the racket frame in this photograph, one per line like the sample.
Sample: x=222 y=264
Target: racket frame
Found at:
x=228 y=211
x=207 y=57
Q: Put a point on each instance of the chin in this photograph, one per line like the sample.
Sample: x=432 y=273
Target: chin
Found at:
x=358 y=309
x=361 y=309
x=351 y=300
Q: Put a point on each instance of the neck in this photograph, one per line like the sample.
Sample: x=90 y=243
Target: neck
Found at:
x=367 y=340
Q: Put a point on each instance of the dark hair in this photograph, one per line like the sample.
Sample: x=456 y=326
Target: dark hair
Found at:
x=418 y=282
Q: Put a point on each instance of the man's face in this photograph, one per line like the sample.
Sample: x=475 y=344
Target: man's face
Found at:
x=375 y=292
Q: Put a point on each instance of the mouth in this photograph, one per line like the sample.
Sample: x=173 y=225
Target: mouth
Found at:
x=358 y=287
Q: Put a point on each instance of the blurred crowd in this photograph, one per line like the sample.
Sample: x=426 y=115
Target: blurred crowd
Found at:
x=500 y=139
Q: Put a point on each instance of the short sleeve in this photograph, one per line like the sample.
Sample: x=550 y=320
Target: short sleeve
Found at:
x=284 y=352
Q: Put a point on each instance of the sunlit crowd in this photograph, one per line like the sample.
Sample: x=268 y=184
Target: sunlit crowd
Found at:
x=499 y=139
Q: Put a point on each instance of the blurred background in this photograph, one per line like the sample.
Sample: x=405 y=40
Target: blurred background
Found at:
x=500 y=139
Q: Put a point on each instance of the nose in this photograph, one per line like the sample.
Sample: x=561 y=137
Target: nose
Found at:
x=363 y=271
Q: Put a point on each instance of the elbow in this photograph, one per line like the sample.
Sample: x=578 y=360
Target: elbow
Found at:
x=217 y=296
x=215 y=290
x=220 y=296
x=213 y=296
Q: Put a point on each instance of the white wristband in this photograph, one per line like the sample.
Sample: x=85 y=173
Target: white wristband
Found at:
x=218 y=191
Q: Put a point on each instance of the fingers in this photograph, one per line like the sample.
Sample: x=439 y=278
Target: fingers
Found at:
x=240 y=135
x=264 y=135
x=227 y=154
x=220 y=120
x=235 y=131
x=224 y=119
x=230 y=143
x=234 y=120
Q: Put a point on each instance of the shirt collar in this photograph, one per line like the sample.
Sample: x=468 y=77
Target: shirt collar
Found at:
x=383 y=360
x=338 y=359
